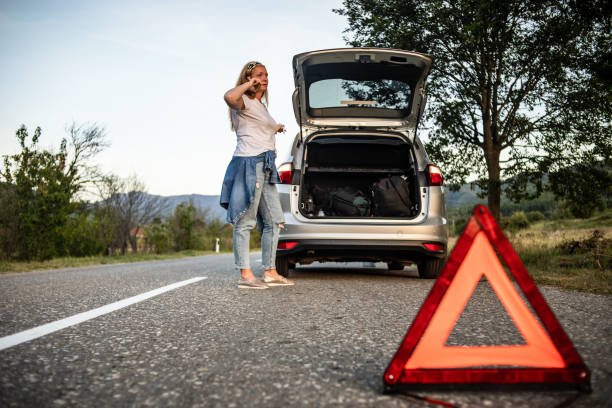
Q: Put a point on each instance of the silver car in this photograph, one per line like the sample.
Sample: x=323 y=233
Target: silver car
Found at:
x=359 y=185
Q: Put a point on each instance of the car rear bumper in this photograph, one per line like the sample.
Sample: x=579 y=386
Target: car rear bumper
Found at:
x=308 y=250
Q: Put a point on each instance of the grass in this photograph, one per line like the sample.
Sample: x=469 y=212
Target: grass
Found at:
x=599 y=221
x=567 y=253
x=70 y=262
x=573 y=258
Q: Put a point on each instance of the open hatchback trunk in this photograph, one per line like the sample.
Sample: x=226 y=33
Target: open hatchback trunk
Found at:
x=361 y=87
x=358 y=110
x=352 y=175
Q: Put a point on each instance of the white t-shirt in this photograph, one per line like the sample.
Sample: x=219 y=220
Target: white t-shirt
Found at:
x=255 y=128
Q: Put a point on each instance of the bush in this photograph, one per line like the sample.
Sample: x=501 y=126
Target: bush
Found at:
x=534 y=216
x=158 y=238
x=82 y=236
x=186 y=225
x=519 y=220
x=9 y=221
x=562 y=212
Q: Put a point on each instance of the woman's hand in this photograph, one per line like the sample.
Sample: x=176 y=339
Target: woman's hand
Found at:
x=254 y=84
x=280 y=128
x=233 y=97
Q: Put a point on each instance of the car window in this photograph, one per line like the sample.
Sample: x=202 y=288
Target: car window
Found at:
x=338 y=92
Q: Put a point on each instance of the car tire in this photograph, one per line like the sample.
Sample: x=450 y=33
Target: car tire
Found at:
x=282 y=266
x=430 y=268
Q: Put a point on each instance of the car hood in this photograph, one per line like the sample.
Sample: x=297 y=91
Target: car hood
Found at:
x=360 y=87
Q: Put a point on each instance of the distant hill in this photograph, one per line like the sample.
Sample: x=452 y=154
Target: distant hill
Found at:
x=201 y=201
x=460 y=198
x=465 y=196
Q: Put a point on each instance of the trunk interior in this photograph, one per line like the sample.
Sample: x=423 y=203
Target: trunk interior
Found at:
x=357 y=176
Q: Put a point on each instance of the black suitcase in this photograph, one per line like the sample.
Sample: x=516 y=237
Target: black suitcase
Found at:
x=349 y=202
x=391 y=197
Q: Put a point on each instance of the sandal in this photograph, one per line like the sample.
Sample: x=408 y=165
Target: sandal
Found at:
x=280 y=281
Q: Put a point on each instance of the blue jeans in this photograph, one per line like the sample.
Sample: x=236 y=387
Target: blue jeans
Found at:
x=267 y=204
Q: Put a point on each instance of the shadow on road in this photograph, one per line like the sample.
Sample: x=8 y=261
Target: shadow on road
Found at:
x=339 y=269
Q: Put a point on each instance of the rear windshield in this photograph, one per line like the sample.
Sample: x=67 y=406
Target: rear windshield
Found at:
x=363 y=90
x=339 y=93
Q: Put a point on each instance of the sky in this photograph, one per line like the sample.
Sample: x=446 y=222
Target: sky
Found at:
x=153 y=74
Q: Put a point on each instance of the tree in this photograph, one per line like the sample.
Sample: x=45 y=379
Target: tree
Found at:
x=41 y=187
x=127 y=208
x=82 y=234
x=158 y=236
x=9 y=220
x=187 y=224
x=518 y=88
x=586 y=187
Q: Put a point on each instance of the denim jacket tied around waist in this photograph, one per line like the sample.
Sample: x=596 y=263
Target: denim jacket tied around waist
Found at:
x=238 y=191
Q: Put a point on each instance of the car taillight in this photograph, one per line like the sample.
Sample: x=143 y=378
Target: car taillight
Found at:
x=286 y=245
x=434 y=247
x=284 y=171
x=435 y=175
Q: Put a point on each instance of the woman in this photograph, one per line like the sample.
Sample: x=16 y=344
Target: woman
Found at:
x=248 y=192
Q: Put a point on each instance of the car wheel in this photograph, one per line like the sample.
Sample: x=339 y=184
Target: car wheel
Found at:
x=431 y=268
x=282 y=266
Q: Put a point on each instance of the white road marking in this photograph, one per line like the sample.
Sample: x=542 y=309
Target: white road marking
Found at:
x=31 y=334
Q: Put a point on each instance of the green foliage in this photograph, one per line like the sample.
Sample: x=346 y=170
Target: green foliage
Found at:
x=545 y=203
x=562 y=212
x=186 y=227
x=41 y=216
x=518 y=88
x=158 y=237
x=108 y=220
x=536 y=209
x=585 y=187
x=189 y=229
x=82 y=235
x=571 y=254
x=519 y=220
x=9 y=221
x=215 y=228
x=44 y=195
x=534 y=216
x=39 y=189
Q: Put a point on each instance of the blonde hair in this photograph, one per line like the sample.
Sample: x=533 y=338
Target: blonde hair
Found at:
x=245 y=73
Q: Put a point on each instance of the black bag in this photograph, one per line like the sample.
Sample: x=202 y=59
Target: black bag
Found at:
x=350 y=202
x=391 y=197
x=322 y=198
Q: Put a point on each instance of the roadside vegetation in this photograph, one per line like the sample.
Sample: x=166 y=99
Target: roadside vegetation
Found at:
x=565 y=252
x=572 y=258
x=57 y=209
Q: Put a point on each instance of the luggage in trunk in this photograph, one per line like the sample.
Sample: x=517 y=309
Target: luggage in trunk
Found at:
x=359 y=177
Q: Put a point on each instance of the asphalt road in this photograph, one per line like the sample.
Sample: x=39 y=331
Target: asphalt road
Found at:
x=324 y=342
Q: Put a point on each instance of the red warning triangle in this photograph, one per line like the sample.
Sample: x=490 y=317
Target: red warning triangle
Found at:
x=547 y=358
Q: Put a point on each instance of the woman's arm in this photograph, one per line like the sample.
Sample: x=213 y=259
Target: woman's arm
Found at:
x=233 y=97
